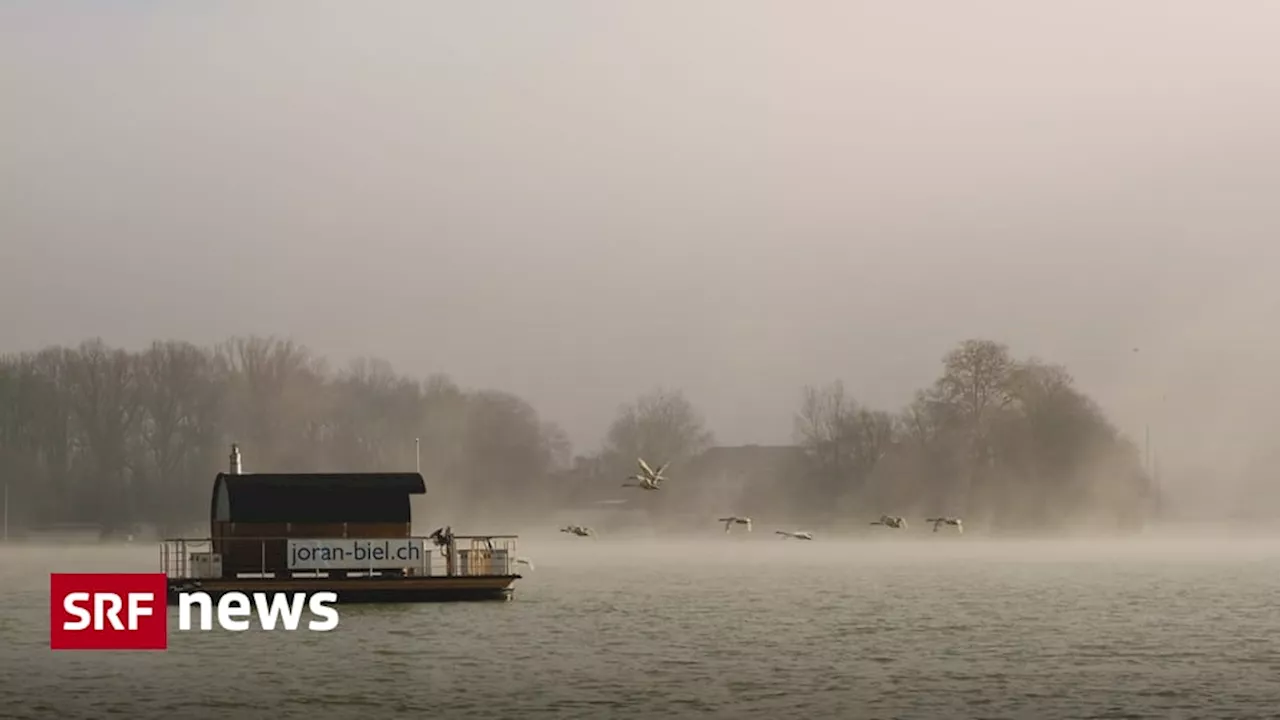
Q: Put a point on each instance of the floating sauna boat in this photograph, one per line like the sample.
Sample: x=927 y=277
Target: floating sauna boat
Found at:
x=346 y=533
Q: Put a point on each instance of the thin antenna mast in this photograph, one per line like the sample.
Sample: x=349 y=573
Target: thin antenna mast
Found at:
x=417 y=453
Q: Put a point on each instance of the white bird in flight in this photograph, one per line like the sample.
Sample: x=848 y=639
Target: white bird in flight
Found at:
x=729 y=522
x=524 y=561
x=953 y=522
x=896 y=523
x=797 y=535
x=578 y=530
x=647 y=478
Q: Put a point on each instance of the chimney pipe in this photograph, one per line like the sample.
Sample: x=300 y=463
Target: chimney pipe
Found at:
x=235 y=459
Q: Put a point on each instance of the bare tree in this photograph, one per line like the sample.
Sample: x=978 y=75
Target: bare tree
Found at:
x=824 y=426
x=279 y=400
x=974 y=388
x=508 y=455
x=106 y=405
x=48 y=436
x=661 y=426
x=375 y=416
x=975 y=381
x=180 y=390
x=1059 y=452
x=844 y=439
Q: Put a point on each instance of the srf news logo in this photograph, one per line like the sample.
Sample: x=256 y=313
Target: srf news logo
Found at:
x=129 y=611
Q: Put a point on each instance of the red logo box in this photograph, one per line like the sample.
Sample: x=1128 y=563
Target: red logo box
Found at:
x=108 y=611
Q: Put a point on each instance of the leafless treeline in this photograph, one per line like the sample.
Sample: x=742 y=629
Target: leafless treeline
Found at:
x=99 y=434
x=1008 y=444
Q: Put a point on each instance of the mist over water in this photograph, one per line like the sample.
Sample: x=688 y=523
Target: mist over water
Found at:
x=733 y=627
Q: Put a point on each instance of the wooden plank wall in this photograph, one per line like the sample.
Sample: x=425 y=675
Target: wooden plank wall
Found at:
x=243 y=549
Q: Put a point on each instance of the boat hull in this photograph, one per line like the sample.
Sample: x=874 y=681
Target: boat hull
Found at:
x=360 y=590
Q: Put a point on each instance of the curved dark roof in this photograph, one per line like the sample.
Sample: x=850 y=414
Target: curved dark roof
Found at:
x=408 y=483
x=316 y=497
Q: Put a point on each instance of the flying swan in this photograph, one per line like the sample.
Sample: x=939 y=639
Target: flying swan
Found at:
x=732 y=520
x=896 y=523
x=953 y=522
x=647 y=478
x=797 y=535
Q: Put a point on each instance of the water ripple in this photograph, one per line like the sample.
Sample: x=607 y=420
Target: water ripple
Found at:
x=940 y=631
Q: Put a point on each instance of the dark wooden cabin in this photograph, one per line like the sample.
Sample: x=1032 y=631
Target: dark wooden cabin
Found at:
x=253 y=515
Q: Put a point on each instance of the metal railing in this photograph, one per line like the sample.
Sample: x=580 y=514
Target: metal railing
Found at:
x=485 y=555
x=176 y=555
x=464 y=555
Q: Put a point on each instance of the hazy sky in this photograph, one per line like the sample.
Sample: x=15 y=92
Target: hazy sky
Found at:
x=577 y=201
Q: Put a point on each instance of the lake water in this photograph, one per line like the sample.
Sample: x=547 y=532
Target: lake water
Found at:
x=936 y=627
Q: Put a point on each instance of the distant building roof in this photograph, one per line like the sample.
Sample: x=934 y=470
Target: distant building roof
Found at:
x=747 y=456
x=315 y=497
x=740 y=468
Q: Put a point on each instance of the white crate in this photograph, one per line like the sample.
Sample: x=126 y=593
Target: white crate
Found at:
x=483 y=562
x=499 y=563
x=206 y=565
x=466 y=563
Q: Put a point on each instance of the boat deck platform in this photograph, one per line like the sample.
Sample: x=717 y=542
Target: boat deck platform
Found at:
x=482 y=571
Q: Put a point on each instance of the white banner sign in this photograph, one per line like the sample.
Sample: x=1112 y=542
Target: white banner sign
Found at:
x=350 y=554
